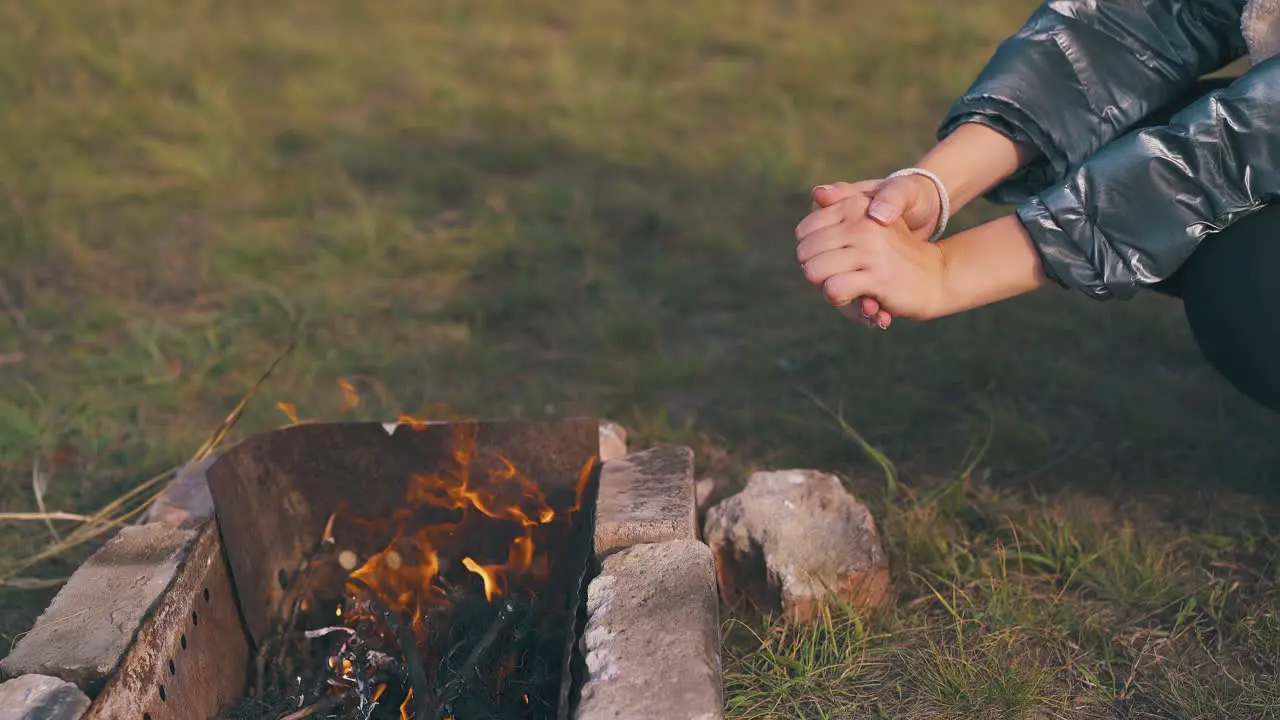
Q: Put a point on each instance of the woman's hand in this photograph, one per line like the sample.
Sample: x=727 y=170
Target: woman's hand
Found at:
x=912 y=198
x=970 y=161
x=851 y=259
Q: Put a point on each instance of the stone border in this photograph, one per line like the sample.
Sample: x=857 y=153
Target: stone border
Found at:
x=653 y=614
x=652 y=639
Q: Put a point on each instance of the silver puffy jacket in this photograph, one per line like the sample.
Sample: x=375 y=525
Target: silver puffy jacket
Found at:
x=1110 y=209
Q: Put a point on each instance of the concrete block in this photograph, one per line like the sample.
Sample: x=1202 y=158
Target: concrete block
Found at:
x=89 y=626
x=652 y=639
x=185 y=502
x=646 y=497
x=613 y=440
x=40 y=697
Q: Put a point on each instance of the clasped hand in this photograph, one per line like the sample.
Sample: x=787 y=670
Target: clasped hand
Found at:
x=886 y=268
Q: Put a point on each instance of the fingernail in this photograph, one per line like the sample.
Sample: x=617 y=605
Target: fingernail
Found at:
x=880 y=211
x=880 y=324
x=822 y=187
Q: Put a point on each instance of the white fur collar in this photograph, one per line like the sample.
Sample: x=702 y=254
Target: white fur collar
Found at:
x=1261 y=26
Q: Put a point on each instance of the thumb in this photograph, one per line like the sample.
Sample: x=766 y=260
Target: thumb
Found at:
x=828 y=195
x=891 y=200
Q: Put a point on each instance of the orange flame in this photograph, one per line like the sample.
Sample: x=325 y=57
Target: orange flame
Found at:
x=290 y=410
x=404 y=706
x=487 y=574
x=350 y=398
x=494 y=501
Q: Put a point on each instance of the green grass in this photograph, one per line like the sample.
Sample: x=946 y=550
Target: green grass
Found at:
x=523 y=208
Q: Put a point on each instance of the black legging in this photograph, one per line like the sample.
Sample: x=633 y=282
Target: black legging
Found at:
x=1229 y=288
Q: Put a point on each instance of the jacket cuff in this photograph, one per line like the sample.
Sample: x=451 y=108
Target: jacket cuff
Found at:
x=1011 y=121
x=1071 y=248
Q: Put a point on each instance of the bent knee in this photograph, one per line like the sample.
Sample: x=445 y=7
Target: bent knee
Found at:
x=1237 y=326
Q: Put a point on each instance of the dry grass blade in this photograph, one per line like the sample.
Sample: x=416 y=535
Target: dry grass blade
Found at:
x=32 y=583
x=46 y=517
x=233 y=417
x=113 y=513
x=39 y=485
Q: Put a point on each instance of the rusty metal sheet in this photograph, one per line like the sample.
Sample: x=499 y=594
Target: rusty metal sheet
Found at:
x=191 y=657
x=274 y=493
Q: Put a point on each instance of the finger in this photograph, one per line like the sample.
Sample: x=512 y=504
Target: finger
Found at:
x=870 y=306
x=823 y=240
x=855 y=316
x=843 y=288
x=891 y=200
x=817 y=220
x=828 y=195
x=828 y=264
x=882 y=320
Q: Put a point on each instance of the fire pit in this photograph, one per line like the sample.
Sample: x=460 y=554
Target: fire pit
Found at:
x=416 y=570
x=410 y=570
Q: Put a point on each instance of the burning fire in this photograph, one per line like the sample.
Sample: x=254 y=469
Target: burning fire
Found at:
x=415 y=579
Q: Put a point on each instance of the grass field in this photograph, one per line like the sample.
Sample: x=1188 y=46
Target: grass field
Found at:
x=527 y=207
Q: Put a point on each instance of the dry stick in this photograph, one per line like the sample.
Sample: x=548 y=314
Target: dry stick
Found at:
x=293 y=600
x=471 y=666
x=417 y=673
x=310 y=710
x=409 y=646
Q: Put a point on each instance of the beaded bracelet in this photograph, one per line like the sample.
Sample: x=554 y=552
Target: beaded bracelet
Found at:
x=943 y=197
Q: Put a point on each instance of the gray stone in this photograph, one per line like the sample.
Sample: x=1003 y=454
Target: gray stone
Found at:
x=702 y=491
x=652 y=640
x=790 y=539
x=186 y=502
x=87 y=629
x=646 y=497
x=613 y=440
x=40 y=697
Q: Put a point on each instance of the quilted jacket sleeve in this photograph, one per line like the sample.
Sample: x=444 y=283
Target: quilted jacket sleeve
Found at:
x=1134 y=212
x=1081 y=72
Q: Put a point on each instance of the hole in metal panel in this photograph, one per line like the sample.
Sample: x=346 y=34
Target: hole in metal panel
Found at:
x=163 y=695
x=206 y=594
x=173 y=670
x=183 y=642
x=195 y=618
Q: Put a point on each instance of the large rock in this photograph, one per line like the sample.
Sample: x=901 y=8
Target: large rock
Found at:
x=87 y=629
x=646 y=497
x=652 y=639
x=186 y=502
x=40 y=697
x=791 y=537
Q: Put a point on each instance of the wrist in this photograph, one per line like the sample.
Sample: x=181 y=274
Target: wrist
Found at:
x=973 y=159
x=987 y=264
